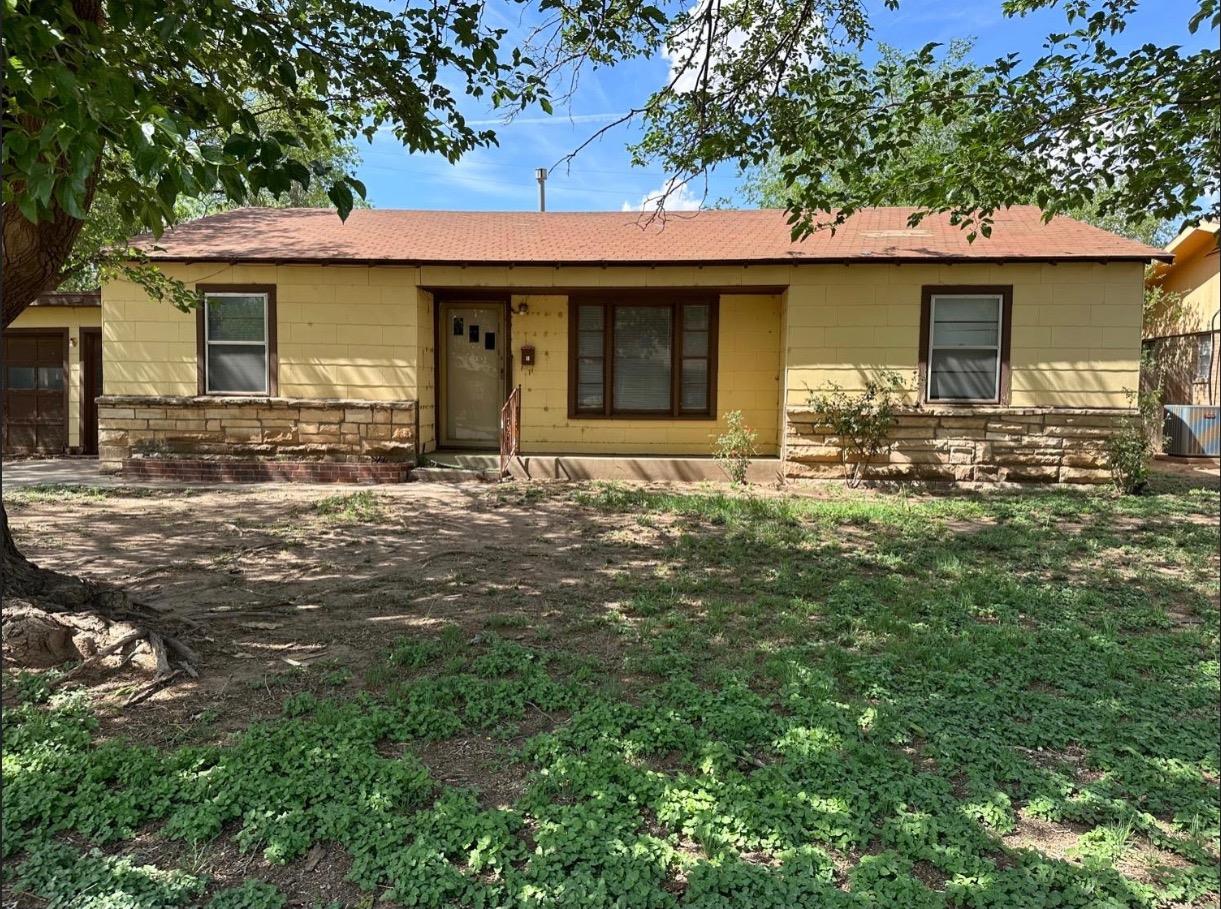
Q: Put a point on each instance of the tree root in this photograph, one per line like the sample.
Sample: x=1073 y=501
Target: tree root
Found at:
x=159 y=682
x=52 y=618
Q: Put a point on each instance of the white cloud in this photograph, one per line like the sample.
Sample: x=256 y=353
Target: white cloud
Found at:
x=676 y=198
x=686 y=50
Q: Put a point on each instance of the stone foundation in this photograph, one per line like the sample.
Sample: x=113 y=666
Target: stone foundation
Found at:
x=234 y=430
x=968 y=445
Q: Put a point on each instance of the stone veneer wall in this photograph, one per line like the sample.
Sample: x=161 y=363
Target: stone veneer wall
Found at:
x=283 y=429
x=969 y=445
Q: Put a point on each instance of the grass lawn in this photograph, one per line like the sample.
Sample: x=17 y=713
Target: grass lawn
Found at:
x=655 y=698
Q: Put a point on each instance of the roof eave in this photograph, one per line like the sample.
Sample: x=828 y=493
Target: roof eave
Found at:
x=663 y=263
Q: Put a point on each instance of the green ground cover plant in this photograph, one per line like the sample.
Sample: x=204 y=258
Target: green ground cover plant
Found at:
x=849 y=702
x=71 y=493
x=349 y=508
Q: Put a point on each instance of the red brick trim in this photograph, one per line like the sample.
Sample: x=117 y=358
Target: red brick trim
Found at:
x=191 y=470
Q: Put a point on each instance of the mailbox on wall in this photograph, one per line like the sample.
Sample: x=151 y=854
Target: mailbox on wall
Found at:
x=527 y=355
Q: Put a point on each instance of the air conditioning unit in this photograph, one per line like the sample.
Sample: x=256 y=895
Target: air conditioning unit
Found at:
x=1192 y=430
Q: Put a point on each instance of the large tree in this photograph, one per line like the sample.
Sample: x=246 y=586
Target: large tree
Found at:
x=894 y=180
x=102 y=251
x=767 y=186
x=1088 y=112
x=144 y=104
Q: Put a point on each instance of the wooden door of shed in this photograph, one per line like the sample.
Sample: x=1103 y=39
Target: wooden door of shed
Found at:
x=34 y=386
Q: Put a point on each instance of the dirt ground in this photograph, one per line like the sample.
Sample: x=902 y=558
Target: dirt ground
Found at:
x=275 y=586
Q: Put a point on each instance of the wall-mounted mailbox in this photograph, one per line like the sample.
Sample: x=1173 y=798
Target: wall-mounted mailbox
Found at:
x=527 y=355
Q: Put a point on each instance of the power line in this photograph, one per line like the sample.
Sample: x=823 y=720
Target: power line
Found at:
x=559 y=174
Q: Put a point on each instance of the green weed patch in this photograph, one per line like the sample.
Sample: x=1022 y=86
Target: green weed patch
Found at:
x=350 y=508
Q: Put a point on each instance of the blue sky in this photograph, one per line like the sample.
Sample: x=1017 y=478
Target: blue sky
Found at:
x=602 y=178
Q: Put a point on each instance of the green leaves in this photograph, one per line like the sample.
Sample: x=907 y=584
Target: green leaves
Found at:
x=341 y=195
x=940 y=132
x=877 y=695
x=862 y=421
x=189 y=99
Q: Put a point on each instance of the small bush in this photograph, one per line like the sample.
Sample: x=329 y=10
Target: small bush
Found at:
x=1130 y=450
x=862 y=420
x=735 y=447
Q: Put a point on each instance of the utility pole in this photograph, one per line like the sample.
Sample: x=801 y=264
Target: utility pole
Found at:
x=541 y=176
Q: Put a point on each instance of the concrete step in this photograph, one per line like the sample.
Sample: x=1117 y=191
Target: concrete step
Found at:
x=452 y=475
x=464 y=460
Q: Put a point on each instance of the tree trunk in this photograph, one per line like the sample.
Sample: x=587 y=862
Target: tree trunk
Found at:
x=50 y=617
x=33 y=256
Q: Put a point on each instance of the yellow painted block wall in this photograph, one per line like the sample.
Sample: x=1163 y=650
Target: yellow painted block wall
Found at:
x=344 y=332
x=73 y=318
x=1075 y=335
x=148 y=348
x=1199 y=281
x=426 y=360
x=748 y=379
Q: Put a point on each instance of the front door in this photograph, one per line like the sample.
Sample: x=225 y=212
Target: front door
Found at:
x=35 y=390
x=472 y=372
x=91 y=387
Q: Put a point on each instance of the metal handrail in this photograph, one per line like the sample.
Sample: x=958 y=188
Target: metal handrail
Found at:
x=510 y=430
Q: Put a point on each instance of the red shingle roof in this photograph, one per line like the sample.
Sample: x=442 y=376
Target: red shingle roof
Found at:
x=621 y=238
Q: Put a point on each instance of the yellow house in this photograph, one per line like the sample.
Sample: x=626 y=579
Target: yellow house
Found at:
x=1181 y=329
x=346 y=350
x=52 y=376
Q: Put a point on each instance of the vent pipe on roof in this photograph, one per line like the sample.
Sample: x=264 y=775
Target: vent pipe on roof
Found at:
x=541 y=175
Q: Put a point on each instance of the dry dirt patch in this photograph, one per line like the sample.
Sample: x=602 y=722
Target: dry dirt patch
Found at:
x=276 y=588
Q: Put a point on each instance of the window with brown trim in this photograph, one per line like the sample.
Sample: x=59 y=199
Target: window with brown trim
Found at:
x=964 y=344
x=640 y=355
x=236 y=331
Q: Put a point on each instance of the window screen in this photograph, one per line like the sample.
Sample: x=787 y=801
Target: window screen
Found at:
x=236 y=342
x=591 y=358
x=642 y=358
x=964 y=348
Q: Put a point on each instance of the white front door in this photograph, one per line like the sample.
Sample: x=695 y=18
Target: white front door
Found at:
x=472 y=372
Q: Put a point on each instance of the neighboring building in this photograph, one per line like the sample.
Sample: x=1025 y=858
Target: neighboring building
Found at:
x=1181 y=332
x=53 y=376
x=338 y=350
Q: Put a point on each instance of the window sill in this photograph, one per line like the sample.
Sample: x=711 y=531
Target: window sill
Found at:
x=629 y=417
x=982 y=402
